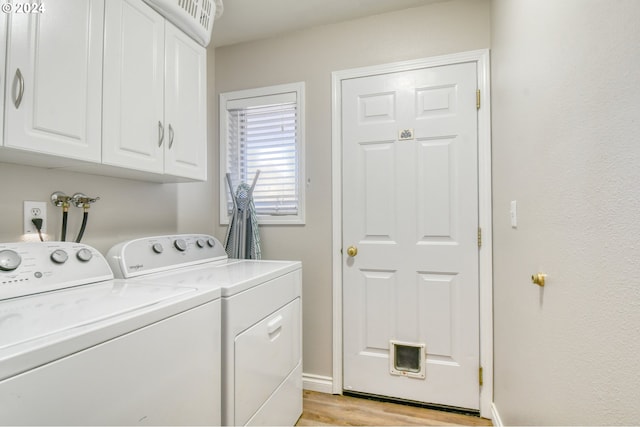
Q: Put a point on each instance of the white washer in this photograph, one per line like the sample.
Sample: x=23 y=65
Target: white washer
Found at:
x=79 y=348
x=261 y=319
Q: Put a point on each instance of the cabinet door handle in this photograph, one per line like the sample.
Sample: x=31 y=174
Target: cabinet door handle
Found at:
x=18 y=99
x=160 y=133
x=170 y=136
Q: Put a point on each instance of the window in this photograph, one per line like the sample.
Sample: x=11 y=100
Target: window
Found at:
x=263 y=129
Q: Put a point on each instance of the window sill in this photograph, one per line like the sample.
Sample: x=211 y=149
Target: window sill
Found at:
x=274 y=220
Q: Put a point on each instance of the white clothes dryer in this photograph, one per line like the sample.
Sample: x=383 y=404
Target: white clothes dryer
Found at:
x=261 y=319
x=79 y=348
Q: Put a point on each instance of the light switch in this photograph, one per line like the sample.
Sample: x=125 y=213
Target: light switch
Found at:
x=514 y=214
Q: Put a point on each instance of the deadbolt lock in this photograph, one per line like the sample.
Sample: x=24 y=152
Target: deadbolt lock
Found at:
x=352 y=251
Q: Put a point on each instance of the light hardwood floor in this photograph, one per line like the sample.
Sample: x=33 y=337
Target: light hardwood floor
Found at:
x=321 y=409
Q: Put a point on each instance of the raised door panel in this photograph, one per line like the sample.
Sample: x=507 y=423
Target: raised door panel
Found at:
x=54 y=80
x=133 y=115
x=185 y=106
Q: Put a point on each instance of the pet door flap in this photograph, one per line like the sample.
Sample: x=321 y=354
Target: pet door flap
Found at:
x=407 y=359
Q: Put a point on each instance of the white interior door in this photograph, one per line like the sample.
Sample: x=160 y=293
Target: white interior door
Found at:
x=410 y=208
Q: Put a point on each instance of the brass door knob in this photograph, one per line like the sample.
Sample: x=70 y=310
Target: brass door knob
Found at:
x=352 y=251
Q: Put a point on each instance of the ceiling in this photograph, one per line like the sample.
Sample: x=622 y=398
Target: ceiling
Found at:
x=246 y=20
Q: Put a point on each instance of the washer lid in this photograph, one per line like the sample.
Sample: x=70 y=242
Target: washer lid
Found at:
x=36 y=317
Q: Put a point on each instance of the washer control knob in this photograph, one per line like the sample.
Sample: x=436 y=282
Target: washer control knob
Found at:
x=9 y=260
x=84 y=255
x=157 y=248
x=200 y=243
x=211 y=242
x=59 y=256
x=180 y=245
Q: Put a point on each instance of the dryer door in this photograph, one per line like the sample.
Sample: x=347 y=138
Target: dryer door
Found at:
x=266 y=354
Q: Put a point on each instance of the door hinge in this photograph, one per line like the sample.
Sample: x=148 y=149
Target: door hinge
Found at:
x=479 y=237
x=478 y=99
x=480 y=378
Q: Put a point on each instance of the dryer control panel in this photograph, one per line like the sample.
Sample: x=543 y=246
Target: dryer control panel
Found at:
x=32 y=267
x=161 y=253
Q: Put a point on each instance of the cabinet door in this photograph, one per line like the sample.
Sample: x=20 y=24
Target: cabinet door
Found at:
x=133 y=115
x=185 y=106
x=54 y=80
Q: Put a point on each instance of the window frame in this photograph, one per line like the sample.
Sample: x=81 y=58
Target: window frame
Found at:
x=224 y=98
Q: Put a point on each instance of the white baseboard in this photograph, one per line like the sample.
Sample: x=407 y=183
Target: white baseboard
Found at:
x=317 y=383
x=495 y=416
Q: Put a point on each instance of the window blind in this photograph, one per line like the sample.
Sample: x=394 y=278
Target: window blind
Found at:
x=265 y=137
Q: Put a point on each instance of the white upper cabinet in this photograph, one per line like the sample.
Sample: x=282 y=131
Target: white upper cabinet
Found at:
x=185 y=105
x=54 y=80
x=154 y=116
x=105 y=87
x=133 y=115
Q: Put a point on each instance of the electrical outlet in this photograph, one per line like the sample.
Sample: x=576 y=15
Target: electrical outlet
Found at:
x=34 y=210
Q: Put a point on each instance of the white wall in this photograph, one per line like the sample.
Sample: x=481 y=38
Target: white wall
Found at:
x=126 y=208
x=311 y=55
x=566 y=126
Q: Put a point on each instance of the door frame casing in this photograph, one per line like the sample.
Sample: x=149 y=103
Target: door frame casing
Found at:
x=481 y=58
